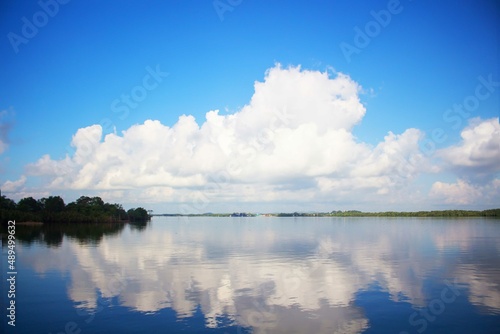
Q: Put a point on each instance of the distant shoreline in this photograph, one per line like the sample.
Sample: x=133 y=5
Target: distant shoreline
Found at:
x=29 y=223
x=492 y=213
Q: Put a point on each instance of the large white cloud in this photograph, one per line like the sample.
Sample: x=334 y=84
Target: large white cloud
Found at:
x=293 y=141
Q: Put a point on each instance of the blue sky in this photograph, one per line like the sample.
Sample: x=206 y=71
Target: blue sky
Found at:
x=410 y=70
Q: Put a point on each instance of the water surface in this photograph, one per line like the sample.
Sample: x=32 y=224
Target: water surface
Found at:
x=260 y=275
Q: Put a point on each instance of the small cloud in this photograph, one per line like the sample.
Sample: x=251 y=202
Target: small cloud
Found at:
x=14 y=186
x=478 y=153
x=6 y=124
x=465 y=193
x=3 y=146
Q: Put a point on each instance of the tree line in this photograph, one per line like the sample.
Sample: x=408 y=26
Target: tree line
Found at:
x=52 y=209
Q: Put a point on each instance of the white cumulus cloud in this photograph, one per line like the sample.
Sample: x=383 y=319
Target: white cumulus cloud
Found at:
x=294 y=140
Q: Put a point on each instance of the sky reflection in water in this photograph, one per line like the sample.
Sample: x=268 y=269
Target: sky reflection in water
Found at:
x=266 y=275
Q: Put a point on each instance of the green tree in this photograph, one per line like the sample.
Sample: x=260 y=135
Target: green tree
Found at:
x=7 y=203
x=53 y=204
x=94 y=202
x=138 y=215
x=29 y=204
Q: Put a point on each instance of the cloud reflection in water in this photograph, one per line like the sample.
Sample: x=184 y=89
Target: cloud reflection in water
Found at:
x=278 y=275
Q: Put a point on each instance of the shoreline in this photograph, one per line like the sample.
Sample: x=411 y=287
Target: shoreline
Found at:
x=490 y=213
x=29 y=223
